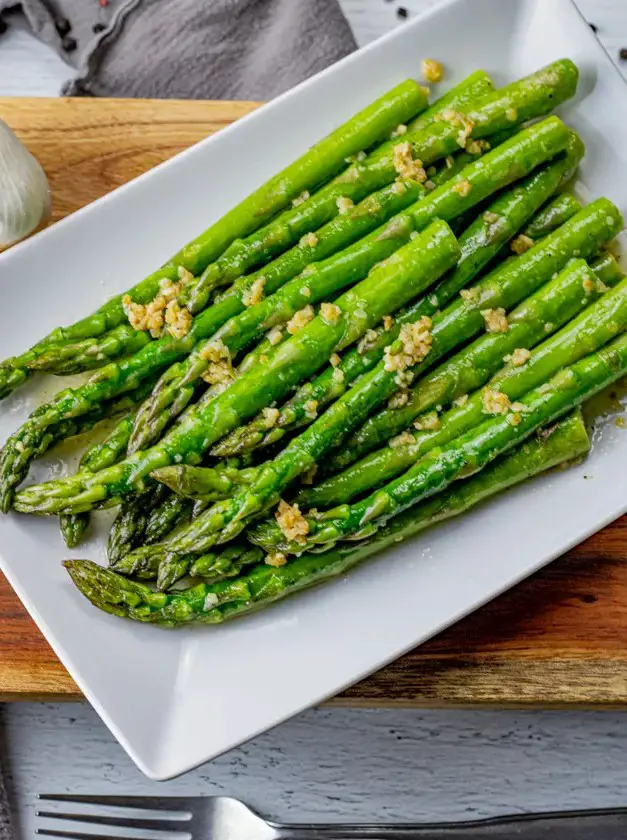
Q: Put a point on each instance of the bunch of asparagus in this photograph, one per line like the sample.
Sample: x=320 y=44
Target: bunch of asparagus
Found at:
x=399 y=325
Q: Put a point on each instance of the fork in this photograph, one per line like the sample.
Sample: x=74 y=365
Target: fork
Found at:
x=223 y=818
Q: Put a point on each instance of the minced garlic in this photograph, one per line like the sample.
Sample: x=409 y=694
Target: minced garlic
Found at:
x=163 y=313
x=522 y=244
x=276 y=559
x=300 y=319
x=469 y=295
x=490 y=218
x=494 y=402
x=520 y=356
x=254 y=294
x=311 y=409
x=330 y=312
x=344 y=204
x=178 y=320
x=415 y=340
x=275 y=336
x=220 y=369
x=309 y=240
x=432 y=70
x=406 y=439
x=398 y=188
x=335 y=360
x=495 y=320
x=462 y=188
x=399 y=130
x=461 y=401
x=271 y=416
x=428 y=423
x=398 y=400
x=184 y=275
x=405 y=165
x=388 y=322
x=367 y=342
x=338 y=375
x=291 y=522
x=300 y=199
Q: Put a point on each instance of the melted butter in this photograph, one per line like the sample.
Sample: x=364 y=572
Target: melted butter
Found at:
x=608 y=406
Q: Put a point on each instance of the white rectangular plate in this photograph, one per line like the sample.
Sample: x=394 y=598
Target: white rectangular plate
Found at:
x=177 y=698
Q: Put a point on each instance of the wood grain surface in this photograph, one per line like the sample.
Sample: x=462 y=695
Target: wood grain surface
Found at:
x=558 y=639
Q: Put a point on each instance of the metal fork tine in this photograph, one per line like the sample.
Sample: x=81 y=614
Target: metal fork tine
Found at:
x=78 y=835
x=161 y=824
x=147 y=803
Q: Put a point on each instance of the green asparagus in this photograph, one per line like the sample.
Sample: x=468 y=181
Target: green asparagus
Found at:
x=179 y=384
x=480 y=244
x=534 y=319
x=325 y=272
x=464 y=95
x=387 y=288
x=460 y=458
x=553 y=216
x=554 y=304
x=531 y=97
x=460 y=321
x=320 y=162
x=204 y=483
x=265 y=584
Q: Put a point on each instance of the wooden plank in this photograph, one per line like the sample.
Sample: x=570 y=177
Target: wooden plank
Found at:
x=559 y=638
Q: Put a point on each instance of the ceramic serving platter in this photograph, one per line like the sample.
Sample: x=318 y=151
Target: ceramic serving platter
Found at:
x=177 y=698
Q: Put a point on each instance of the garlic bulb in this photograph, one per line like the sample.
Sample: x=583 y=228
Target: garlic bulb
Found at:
x=24 y=191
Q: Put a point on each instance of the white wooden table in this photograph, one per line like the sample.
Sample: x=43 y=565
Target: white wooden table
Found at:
x=332 y=763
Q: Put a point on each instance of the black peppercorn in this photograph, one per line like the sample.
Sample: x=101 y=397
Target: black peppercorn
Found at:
x=63 y=26
x=68 y=44
x=402 y=12
x=623 y=54
x=98 y=27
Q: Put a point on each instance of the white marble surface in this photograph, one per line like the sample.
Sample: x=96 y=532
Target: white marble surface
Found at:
x=336 y=763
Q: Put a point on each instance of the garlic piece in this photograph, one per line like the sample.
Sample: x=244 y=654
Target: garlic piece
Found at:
x=24 y=191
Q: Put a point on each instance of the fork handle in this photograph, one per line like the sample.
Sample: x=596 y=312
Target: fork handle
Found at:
x=575 y=825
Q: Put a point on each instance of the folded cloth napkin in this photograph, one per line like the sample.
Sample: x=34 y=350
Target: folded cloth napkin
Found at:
x=190 y=49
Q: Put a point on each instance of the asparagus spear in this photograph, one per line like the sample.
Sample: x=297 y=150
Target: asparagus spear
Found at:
x=461 y=457
x=387 y=288
x=172 y=512
x=533 y=96
x=553 y=216
x=320 y=162
x=458 y=323
x=534 y=319
x=337 y=234
x=464 y=95
x=179 y=384
x=479 y=244
x=130 y=524
x=204 y=483
x=73 y=528
x=554 y=304
x=511 y=160
x=265 y=584
x=324 y=273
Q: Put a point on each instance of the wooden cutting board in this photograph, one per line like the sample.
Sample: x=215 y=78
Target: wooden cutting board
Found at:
x=560 y=638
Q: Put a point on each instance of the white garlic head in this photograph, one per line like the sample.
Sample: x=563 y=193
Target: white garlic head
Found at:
x=24 y=190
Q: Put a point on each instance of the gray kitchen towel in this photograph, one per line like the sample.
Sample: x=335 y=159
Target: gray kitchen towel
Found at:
x=6 y=828
x=190 y=49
